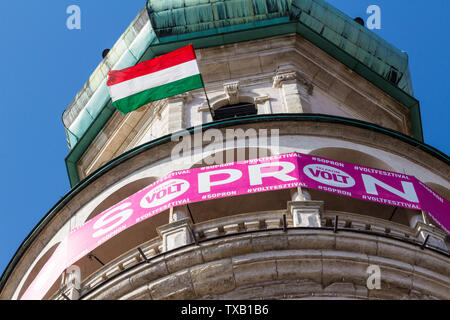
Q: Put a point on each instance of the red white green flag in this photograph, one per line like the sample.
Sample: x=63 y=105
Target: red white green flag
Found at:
x=165 y=76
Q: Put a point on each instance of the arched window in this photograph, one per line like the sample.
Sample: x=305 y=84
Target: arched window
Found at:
x=230 y=206
x=352 y=156
x=334 y=202
x=37 y=268
x=121 y=194
x=235 y=110
x=443 y=192
x=127 y=239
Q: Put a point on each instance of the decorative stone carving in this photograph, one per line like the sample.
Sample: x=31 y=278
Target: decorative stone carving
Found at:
x=279 y=78
x=291 y=75
x=295 y=88
x=232 y=92
x=261 y=99
x=71 y=283
x=185 y=97
x=262 y=104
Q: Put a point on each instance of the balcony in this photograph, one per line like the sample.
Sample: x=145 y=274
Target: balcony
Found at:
x=423 y=236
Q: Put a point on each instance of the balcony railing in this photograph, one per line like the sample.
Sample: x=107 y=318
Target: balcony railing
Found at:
x=241 y=223
x=347 y=220
x=251 y=222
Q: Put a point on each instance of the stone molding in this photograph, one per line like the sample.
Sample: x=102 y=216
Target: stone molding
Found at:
x=234 y=94
x=295 y=264
x=211 y=231
x=295 y=89
x=287 y=74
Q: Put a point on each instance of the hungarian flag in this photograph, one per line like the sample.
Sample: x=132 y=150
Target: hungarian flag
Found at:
x=165 y=76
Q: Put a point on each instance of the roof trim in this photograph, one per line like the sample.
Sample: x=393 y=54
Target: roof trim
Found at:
x=312 y=19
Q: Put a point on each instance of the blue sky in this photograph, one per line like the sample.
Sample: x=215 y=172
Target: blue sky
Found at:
x=43 y=65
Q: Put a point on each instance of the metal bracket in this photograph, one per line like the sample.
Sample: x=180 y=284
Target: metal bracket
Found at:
x=336 y=224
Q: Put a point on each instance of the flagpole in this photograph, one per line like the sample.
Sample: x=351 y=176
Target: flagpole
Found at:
x=207 y=99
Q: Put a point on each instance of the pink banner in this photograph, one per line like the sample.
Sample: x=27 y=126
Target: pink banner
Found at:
x=232 y=179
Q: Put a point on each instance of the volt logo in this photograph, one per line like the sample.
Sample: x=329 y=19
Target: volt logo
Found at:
x=329 y=175
x=165 y=192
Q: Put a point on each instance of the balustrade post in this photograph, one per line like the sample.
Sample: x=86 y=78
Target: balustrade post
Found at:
x=304 y=211
x=71 y=283
x=178 y=232
x=178 y=213
x=422 y=229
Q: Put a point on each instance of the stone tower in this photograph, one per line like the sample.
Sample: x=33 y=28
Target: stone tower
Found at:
x=327 y=86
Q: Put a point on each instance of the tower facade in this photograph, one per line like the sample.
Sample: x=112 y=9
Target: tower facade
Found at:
x=280 y=77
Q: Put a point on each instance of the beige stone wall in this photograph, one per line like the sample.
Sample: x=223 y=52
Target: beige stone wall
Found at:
x=284 y=74
x=154 y=163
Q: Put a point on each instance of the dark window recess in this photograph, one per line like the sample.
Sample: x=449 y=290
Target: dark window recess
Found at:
x=393 y=76
x=234 y=111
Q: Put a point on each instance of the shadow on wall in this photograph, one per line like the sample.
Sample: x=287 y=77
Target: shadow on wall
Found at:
x=120 y=195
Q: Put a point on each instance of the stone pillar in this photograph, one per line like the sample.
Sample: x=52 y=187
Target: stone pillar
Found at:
x=205 y=113
x=178 y=213
x=178 y=232
x=423 y=229
x=295 y=91
x=262 y=105
x=72 y=283
x=175 y=106
x=304 y=211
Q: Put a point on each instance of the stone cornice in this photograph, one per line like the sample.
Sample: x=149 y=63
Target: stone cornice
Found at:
x=330 y=264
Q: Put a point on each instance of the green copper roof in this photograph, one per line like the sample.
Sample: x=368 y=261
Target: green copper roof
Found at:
x=171 y=18
x=174 y=20
x=93 y=97
x=356 y=40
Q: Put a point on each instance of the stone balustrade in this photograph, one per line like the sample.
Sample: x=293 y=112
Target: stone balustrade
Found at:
x=114 y=267
x=355 y=221
x=242 y=223
x=418 y=234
